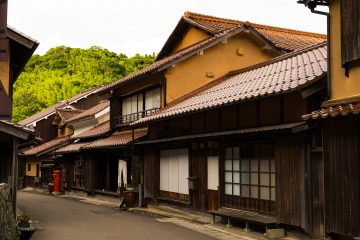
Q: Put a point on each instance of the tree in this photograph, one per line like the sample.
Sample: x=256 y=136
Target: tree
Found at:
x=63 y=72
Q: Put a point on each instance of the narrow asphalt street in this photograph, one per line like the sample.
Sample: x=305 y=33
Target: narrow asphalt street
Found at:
x=67 y=219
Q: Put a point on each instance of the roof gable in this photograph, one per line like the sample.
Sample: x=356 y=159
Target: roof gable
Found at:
x=64 y=114
x=186 y=53
x=91 y=112
x=62 y=104
x=285 y=39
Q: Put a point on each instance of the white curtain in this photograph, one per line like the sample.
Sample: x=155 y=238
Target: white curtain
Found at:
x=174 y=170
x=123 y=170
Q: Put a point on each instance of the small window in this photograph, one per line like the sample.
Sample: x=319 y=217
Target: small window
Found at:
x=249 y=176
x=152 y=99
x=29 y=167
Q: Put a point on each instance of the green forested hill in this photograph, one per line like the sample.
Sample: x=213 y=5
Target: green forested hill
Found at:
x=63 y=72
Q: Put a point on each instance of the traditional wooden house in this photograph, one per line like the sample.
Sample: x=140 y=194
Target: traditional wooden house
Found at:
x=11 y=137
x=51 y=124
x=238 y=146
x=87 y=127
x=91 y=162
x=200 y=49
x=39 y=161
x=75 y=162
x=15 y=51
x=340 y=189
x=42 y=121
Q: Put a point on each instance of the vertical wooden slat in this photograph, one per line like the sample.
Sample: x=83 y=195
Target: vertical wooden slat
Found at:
x=341 y=156
x=289 y=180
x=350 y=34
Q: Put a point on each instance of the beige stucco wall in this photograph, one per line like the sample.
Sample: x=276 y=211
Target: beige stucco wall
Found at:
x=191 y=37
x=342 y=86
x=240 y=51
x=32 y=162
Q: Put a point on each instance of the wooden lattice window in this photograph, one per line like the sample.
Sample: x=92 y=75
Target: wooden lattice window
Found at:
x=249 y=177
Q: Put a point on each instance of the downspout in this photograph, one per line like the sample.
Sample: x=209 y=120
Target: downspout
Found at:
x=328 y=97
x=327 y=14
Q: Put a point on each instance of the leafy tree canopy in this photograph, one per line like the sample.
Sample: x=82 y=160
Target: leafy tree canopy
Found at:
x=63 y=72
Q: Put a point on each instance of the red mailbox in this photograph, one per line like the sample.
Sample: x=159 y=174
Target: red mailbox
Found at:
x=57 y=181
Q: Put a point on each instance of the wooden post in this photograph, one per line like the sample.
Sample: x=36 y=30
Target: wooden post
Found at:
x=107 y=175
x=3 y=19
x=14 y=173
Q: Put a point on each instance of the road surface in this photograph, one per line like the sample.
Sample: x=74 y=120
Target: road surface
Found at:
x=67 y=219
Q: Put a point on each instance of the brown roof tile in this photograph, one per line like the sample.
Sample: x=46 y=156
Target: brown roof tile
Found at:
x=71 y=148
x=286 y=39
x=97 y=131
x=19 y=127
x=68 y=113
x=341 y=110
x=90 y=112
x=282 y=74
x=116 y=139
x=62 y=104
x=281 y=38
x=58 y=142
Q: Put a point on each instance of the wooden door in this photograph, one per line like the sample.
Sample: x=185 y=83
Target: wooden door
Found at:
x=317 y=187
x=213 y=182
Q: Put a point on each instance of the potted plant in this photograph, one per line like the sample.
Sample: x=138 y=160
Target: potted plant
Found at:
x=51 y=187
x=23 y=220
x=130 y=195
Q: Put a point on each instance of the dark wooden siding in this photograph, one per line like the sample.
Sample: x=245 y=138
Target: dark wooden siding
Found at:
x=342 y=180
x=5 y=157
x=290 y=161
x=46 y=129
x=198 y=168
x=88 y=102
x=151 y=173
x=115 y=110
x=350 y=34
x=90 y=173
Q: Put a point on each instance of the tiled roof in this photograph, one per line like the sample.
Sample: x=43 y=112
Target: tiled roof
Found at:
x=281 y=38
x=176 y=57
x=17 y=32
x=68 y=113
x=90 y=112
x=57 y=142
x=279 y=75
x=71 y=148
x=19 y=126
x=286 y=39
x=97 y=131
x=116 y=139
x=51 y=110
x=17 y=130
x=334 y=111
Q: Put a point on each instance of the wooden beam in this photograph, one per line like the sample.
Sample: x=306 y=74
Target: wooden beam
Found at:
x=14 y=173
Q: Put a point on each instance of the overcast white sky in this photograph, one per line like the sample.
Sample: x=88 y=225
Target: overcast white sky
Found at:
x=141 y=26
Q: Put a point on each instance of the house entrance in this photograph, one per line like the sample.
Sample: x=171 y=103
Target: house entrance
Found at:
x=213 y=182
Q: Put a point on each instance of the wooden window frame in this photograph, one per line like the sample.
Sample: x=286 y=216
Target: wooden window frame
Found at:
x=349 y=14
x=247 y=201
